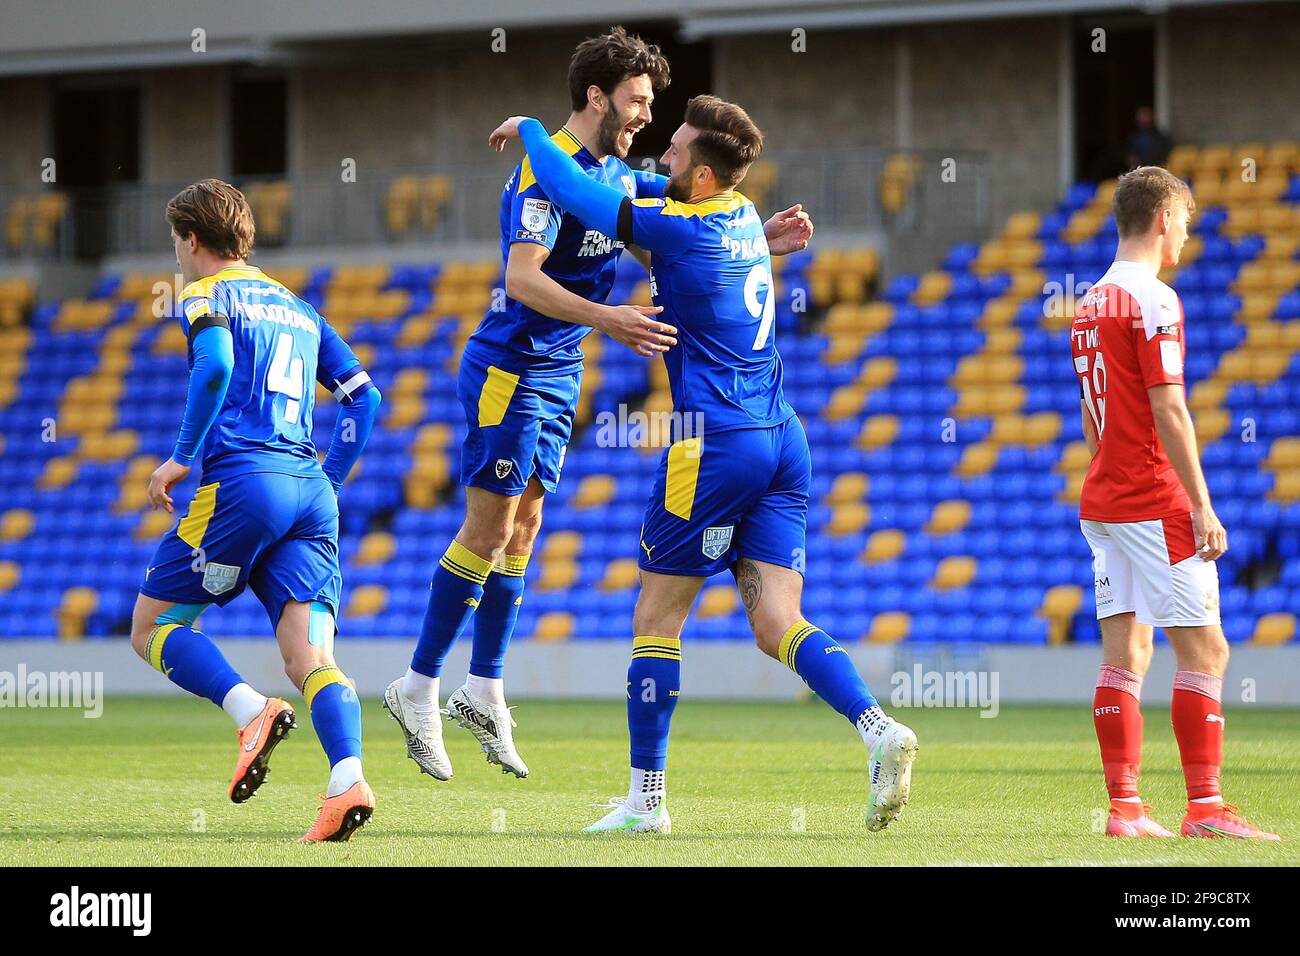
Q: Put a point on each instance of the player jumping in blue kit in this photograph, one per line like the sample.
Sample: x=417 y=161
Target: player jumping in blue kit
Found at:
x=734 y=496
x=266 y=516
x=518 y=382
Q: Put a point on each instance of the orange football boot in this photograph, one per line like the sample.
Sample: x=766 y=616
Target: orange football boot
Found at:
x=1220 y=820
x=256 y=741
x=342 y=816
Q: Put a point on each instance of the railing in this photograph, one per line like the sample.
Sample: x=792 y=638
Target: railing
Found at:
x=839 y=187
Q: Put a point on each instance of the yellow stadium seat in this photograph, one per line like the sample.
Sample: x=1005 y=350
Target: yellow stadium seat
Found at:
x=1059 y=606
x=376 y=547
x=10 y=573
x=77 y=605
x=554 y=626
x=367 y=600
x=1274 y=629
x=949 y=516
x=153 y=524
x=593 y=492
x=889 y=627
x=620 y=575
x=977 y=459
x=878 y=431
x=953 y=572
x=884 y=546
x=562 y=544
x=848 y=518
x=58 y=473
x=718 y=600
x=934 y=287
x=558 y=574
x=848 y=487
x=1022 y=225
x=16 y=524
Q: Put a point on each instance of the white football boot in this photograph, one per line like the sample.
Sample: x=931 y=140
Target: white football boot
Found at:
x=623 y=818
x=422 y=726
x=491 y=725
x=890 y=766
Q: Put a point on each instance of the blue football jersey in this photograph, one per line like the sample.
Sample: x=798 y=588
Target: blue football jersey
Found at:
x=582 y=260
x=282 y=347
x=712 y=273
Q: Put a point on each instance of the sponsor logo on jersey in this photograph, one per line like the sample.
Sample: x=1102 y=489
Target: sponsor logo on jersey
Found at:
x=596 y=243
x=503 y=467
x=529 y=236
x=197 y=308
x=534 y=214
x=630 y=185
x=716 y=541
x=219 y=578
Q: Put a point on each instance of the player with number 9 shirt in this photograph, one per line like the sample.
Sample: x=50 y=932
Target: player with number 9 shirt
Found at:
x=734 y=496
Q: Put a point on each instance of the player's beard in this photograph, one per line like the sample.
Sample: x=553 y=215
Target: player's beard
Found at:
x=611 y=126
x=679 y=187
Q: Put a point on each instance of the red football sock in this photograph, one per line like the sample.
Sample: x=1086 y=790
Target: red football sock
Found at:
x=1117 y=716
x=1197 y=713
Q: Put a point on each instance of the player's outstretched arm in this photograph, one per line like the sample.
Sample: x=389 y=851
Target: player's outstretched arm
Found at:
x=1178 y=438
x=790 y=230
x=339 y=370
x=214 y=362
x=562 y=178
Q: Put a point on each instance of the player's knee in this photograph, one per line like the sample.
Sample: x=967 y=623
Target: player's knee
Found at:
x=525 y=532
x=301 y=663
x=486 y=538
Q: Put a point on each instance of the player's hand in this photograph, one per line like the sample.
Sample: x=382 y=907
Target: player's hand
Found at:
x=506 y=131
x=1211 y=536
x=790 y=230
x=637 y=328
x=162 y=481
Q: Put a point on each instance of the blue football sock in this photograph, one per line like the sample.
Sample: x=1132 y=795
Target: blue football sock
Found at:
x=826 y=668
x=335 y=712
x=455 y=592
x=498 y=609
x=191 y=661
x=654 y=681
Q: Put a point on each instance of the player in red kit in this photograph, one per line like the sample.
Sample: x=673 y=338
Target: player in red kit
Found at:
x=1145 y=511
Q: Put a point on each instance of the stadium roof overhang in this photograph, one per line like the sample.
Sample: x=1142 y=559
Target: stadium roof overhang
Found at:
x=764 y=16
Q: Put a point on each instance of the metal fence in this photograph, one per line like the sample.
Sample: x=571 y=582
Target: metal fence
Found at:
x=840 y=187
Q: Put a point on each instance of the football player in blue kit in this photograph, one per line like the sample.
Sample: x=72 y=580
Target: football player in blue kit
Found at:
x=518 y=383
x=735 y=495
x=266 y=515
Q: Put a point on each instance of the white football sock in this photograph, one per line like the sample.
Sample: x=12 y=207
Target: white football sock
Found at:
x=647 y=790
x=490 y=690
x=419 y=689
x=243 y=704
x=872 y=724
x=343 y=775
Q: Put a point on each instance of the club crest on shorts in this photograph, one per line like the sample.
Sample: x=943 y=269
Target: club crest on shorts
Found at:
x=717 y=541
x=219 y=578
x=503 y=467
x=534 y=214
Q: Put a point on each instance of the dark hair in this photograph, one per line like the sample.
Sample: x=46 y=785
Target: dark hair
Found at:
x=728 y=141
x=606 y=61
x=1143 y=192
x=218 y=214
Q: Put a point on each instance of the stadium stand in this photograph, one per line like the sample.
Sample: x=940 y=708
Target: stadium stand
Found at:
x=941 y=409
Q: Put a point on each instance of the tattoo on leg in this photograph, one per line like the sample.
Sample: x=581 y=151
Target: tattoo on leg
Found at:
x=750 y=583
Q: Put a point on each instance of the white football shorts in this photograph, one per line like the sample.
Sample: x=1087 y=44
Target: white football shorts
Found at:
x=1152 y=569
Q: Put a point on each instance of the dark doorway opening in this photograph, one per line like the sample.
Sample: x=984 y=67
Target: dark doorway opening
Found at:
x=259 y=126
x=96 y=147
x=1111 y=86
x=691 y=70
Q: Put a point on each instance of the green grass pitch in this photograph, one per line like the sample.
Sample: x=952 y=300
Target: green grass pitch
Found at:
x=751 y=783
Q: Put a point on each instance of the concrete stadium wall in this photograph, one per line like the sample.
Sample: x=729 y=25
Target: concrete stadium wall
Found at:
x=1234 y=74
x=979 y=675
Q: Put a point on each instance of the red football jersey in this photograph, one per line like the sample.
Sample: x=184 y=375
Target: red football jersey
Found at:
x=1126 y=337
